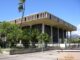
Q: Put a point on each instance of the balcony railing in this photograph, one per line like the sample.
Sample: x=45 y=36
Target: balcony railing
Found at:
x=44 y=15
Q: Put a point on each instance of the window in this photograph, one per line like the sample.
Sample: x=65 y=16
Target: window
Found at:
x=45 y=14
x=37 y=15
x=25 y=18
x=58 y=19
x=41 y=15
x=50 y=16
x=15 y=21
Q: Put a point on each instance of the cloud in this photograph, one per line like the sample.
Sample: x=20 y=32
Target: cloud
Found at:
x=78 y=30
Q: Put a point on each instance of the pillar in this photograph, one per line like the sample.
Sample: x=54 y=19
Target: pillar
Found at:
x=51 y=35
x=63 y=37
x=67 y=35
x=30 y=26
x=43 y=28
x=70 y=35
x=58 y=36
x=30 y=32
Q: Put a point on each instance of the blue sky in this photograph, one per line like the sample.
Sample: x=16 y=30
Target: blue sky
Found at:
x=68 y=10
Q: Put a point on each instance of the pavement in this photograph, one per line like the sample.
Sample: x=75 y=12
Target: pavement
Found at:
x=47 y=55
x=7 y=56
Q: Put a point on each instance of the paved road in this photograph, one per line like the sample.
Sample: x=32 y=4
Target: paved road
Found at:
x=49 y=55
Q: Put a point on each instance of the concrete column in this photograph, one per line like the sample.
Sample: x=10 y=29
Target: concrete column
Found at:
x=43 y=28
x=51 y=35
x=30 y=32
x=67 y=35
x=70 y=35
x=63 y=37
x=30 y=26
x=58 y=36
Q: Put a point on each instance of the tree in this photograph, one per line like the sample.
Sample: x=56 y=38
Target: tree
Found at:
x=21 y=8
x=4 y=28
x=3 y=32
x=14 y=34
x=26 y=38
x=34 y=33
x=43 y=38
x=30 y=36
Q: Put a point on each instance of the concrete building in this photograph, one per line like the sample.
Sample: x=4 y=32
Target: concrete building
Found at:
x=56 y=28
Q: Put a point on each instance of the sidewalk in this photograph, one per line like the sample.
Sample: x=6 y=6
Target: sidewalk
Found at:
x=46 y=55
x=6 y=56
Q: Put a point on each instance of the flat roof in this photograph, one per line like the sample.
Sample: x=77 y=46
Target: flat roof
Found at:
x=46 y=18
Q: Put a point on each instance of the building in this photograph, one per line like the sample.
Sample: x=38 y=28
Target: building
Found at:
x=57 y=28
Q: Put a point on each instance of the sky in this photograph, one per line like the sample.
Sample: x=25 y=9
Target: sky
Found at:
x=68 y=10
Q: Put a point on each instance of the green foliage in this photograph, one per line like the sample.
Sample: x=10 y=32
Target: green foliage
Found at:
x=15 y=31
x=30 y=35
x=26 y=34
x=75 y=40
x=43 y=37
x=12 y=32
x=26 y=37
x=0 y=50
x=22 y=1
x=21 y=6
x=4 y=28
x=34 y=34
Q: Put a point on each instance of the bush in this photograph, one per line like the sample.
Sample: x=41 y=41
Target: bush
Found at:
x=0 y=50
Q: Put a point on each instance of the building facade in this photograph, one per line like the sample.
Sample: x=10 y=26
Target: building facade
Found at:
x=56 y=28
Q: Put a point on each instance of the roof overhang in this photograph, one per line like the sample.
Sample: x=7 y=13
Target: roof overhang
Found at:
x=47 y=21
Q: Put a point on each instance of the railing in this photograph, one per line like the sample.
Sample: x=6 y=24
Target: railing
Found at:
x=32 y=17
x=44 y=15
x=61 y=21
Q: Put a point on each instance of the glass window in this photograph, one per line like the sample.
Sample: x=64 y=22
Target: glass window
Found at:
x=37 y=15
x=15 y=21
x=25 y=18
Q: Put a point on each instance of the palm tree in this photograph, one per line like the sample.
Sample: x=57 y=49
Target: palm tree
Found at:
x=21 y=8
